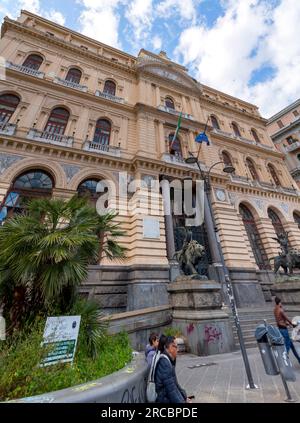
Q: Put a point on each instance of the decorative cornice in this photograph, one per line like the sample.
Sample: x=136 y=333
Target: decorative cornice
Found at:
x=9 y=23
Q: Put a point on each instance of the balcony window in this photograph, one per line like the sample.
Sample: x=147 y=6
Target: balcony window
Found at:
x=274 y=175
x=214 y=122
x=252 y=170
x=236 y=129
x=33 y=61
x=74 y=75
x=280 y=124
x=255 y=136
x=8 y=105
x=169 y=103
x=174 y=146
x=102 y=132
x=57 y=121
x=32 y=184
x=227 y=159
x=295 y=113
x=109 y=88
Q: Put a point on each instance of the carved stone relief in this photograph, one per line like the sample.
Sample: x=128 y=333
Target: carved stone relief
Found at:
x=6 y=160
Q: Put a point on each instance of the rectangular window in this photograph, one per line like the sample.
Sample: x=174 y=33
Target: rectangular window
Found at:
x=280 y=124
x=295 y=113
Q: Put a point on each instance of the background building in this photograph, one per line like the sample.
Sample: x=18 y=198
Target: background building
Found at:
x=284 y=128
x=74 y=111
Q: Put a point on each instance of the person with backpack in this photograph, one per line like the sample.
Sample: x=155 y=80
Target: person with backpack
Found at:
x=167 y=387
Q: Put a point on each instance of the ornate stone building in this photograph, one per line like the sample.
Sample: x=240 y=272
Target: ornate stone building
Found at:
x=284 y=129
x=74 y=112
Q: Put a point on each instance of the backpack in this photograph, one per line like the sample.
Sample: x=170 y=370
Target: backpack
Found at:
x=151 y=393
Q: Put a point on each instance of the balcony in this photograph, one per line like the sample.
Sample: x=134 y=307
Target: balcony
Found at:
x=7 y=128
x=70 y=84
x=102 y=149
x=292 y=147
x=110 y=97
x=50 y=138
x=175 y=112
x=239 y=179
x=179 y=160
x=24 y=69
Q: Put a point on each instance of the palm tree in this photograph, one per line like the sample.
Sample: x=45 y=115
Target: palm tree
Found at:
x=44 y=255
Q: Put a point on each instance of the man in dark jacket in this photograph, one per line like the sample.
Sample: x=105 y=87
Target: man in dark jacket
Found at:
x=166 y=384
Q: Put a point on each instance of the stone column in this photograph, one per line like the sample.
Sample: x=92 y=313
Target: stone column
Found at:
x=168 y=218
x=161 y=135
x=157 y=92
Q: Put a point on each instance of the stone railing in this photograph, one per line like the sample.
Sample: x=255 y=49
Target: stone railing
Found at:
x=70 y=84
x=109 y=97
x=24 y=69
x=239 y=178
x=7 y=128
x=243 y=139
x=179 y=160
x=175 y=112
x=50 y=138
x=292 y=147
x=102 y=148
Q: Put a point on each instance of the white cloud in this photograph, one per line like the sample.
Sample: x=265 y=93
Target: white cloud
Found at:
x=157 y=42
x=100 y=20
x=140 y=15
x=185 y=8
x=30 y=5
x=251 y=34
x=55 y=16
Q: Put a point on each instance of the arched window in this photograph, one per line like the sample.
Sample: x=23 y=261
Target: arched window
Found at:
x=276 y=222
x=274 y=174
x=252 y=169
x=102 y=132
x=174 y=147
x=254 y=238
x=235 y=129
x=74 y=75
x=8 y=104
x=33 y=61
x=214 y=122
x=169 y=103
x=255 y=136
x=88 y=189
x=227 y=159
x=29 y=185
x=57 y=121
x=296 y=216
x=109 y=88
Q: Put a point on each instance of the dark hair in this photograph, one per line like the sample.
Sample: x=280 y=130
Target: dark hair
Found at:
x=152 y=338
x=169 y=341
x=277 y=300
x=161 y=342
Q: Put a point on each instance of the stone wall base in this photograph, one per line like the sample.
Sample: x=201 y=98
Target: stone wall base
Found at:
x=247 y=289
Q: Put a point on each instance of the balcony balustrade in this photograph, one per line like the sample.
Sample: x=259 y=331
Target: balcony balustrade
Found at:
x=102 y=148
x=70 y=84
x=24 y=69
x=50 y=138
x=175 y=112
x=109 y=97
x=7 y=128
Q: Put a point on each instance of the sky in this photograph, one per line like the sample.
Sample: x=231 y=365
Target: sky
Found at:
x=247 y=48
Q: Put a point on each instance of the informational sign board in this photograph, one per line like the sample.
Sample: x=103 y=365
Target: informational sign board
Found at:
x=60 y=335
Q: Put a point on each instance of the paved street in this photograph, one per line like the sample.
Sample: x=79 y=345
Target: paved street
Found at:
x=226 y=381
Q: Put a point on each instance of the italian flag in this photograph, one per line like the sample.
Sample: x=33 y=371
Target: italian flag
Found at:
x=177 y=129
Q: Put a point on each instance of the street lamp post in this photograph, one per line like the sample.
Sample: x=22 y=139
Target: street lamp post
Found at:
x=223 y=272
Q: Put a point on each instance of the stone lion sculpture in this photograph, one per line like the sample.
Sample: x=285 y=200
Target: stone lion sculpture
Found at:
x=189 y=256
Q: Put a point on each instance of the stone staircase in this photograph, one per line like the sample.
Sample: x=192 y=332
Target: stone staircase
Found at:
x=249 y=320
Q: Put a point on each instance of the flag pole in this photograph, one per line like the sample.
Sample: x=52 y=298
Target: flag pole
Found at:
x=204 y=132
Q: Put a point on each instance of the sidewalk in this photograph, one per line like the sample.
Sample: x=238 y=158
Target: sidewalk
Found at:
x=226 y=380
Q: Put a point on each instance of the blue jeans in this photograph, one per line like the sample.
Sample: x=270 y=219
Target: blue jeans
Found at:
x=289 y=343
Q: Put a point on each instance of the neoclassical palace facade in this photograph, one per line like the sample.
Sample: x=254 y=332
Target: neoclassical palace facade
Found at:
x=74 y=112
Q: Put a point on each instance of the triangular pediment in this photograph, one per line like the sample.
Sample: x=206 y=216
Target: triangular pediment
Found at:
x=168 y=72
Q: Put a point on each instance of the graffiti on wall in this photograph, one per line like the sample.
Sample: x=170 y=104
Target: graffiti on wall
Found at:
x=212 y=334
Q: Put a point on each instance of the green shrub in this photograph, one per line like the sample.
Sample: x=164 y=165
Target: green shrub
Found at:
x=21 y=376
x=172 y=331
